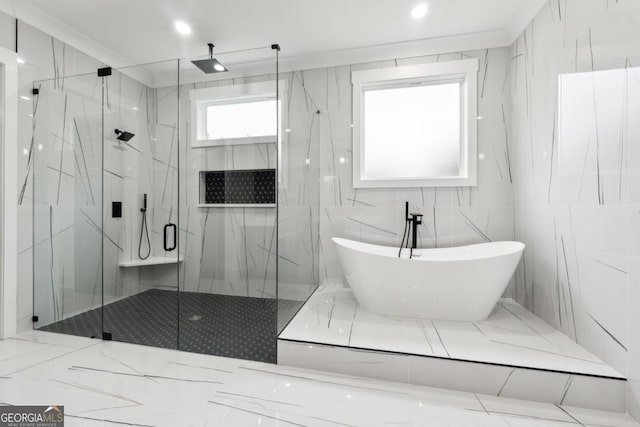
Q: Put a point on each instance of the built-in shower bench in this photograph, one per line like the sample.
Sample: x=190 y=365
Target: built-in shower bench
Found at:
x=154 y=260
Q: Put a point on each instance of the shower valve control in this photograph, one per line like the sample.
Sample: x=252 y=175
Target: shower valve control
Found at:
x=116 y=209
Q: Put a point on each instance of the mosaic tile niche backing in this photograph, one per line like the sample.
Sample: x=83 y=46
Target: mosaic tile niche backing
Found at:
x=238 y=187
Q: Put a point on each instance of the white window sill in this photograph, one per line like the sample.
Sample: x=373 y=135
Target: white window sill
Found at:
x=203 y=143
x=416 y=183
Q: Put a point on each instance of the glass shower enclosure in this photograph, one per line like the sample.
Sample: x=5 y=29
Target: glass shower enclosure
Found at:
x=163 y=209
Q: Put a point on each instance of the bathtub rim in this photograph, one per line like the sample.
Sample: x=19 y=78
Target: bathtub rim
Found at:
x=457 y=252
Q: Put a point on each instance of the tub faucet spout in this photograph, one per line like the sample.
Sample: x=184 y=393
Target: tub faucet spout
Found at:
x=416 y=220
x=411 y=223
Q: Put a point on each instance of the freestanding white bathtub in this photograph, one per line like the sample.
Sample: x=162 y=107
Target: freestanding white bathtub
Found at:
x=462 y=283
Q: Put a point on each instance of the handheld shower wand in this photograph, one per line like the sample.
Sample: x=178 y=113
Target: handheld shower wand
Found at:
x=406 y=224
x=144 y=229
x=406 y=209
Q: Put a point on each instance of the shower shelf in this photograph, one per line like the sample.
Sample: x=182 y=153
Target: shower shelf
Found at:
x=156 y=260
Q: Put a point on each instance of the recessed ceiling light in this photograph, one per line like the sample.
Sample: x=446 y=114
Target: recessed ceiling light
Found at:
x=26 y=98
x=20 y=60
x=135 y=108
x=182 y=27
x=219 y=67
x=419 y=11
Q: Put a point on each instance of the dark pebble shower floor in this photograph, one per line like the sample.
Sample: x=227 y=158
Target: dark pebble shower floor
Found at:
x=221 y=325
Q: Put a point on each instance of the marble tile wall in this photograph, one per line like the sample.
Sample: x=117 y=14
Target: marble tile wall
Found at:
x=233 y=251
x=221 y=246
x=45 y=57
x=319 y=117
x=575 y=85
x=452 y=216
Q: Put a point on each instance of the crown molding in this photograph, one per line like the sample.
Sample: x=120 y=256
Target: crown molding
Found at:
x=337 y=58
x=61 y=31
x=525 y=14
x=49 y=25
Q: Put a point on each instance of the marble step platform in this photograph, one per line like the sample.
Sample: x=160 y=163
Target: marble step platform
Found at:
x=513 y=353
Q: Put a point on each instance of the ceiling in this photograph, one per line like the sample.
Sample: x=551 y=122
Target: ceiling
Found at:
x=139 y=31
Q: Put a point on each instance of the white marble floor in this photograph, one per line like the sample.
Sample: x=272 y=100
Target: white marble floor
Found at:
x=109 y=383
x=511 y=336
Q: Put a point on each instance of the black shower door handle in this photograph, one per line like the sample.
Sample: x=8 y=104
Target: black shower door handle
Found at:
x=175 y=235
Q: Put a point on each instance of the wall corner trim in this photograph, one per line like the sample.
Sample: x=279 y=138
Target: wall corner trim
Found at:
x=8 y=194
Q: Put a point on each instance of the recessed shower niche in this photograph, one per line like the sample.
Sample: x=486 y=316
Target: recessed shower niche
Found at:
x=239 y=270
x=245 y=188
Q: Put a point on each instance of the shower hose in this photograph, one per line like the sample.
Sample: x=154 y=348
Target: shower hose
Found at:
x=144 y=230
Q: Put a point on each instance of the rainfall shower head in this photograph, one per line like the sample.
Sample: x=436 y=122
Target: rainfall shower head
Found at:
x=210 y=65
x=124 y=135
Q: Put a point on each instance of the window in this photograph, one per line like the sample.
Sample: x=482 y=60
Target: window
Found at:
x=415 y=126
x=237 y=114
x=252 y=118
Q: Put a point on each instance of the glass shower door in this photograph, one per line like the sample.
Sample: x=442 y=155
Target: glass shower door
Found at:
x=140 y=174
x=66 y=158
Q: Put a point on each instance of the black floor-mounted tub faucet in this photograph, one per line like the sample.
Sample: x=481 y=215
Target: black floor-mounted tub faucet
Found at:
x=411 y=223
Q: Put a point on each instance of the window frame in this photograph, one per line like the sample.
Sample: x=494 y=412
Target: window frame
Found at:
x=234 y=94
x=464 y=71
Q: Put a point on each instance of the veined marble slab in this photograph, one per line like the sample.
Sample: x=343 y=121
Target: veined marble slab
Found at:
x=511 y=336
x=511 y=354
x=107 y=382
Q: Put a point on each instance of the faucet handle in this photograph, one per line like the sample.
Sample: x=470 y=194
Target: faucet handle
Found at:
x=416 y=217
